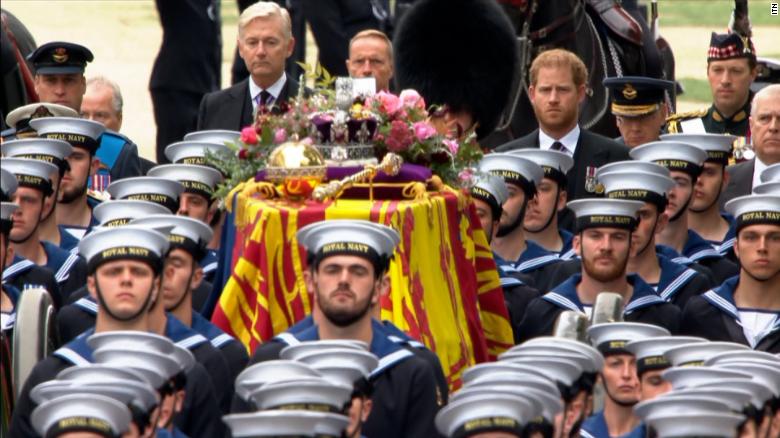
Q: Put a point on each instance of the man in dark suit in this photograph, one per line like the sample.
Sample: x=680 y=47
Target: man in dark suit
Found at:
x=765 y=132
x=558 y=79
x=265 y=41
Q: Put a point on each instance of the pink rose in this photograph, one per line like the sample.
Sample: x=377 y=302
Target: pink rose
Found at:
x=412 y=99
x=249 y=135
x=280 y=136
x=400 y=137
x=423 y=131
x=452 y=145
x=388 y=103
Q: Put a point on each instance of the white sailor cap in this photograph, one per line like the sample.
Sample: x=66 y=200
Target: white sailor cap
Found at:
x=486 y=370
x=19 y=118
x=348 y=236
x=292 y=352
x=702 y=424
x=31 y=173
x=612 y=337
x=308 y=394
x=8 y=184
x=689 y=404
x=133 y=340
x=282 y=423
x=760 y=392
x=218 y=136
x=492 y=190
x=611 y=213
x=120 y=243
x=184 y=358
x=194 y=152
x=696 y=353
x=81 y=412
x=563 y=371
x=767 y=188
x=156 y=368
x=42 y=149
x=542 y=388
x=200 y=180
x=136 y=393
x=83 y=375
x=545 y=405
x=633 y=166
x=739 y=355
x=583 y=361
x=80 y=133
x=771 y=173
x=486 y=413
x=346 y=365
x=7 y=212
x=554 y=164
x=595 y=356
x=674 y=155
x=686 y=377
x=515 y=170
x=735 y=398
x=763 y=371
x=639 y=186
x=649 y=352
x=113 y=213
x=262 y=373
x=161 y=191
x=717 y=146
x=191 y=235
x=754 y=209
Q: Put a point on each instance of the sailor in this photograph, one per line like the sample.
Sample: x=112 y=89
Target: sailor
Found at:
x=348 y=262
x=9 y=294
x=684 y=162
x=639 y=107
x=194 y=151
x=83 y=414
x=691 y=417
x=488 y=413
x=217 y=136
x=745 y=308
x=18 y=120
x=163 y=191
x=603 y=241
x=650 y=362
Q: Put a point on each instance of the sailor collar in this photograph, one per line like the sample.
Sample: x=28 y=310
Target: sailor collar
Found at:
x=533 y=257
x=565 y=295
x=59 y=261
x=731 y=236
x=18 y=266
x=215 y=336
x=567 y=252
x=673 y=277
x=696 y=248
x=77 y=352
x=722 y=297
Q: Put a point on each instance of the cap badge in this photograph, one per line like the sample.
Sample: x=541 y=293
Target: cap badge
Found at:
x=41 y=111
x=60 y=55
x=629 y=92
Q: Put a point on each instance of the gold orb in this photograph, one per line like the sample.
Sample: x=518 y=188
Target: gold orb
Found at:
x=295 y=160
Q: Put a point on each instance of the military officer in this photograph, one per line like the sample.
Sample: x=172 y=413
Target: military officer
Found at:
x=639 y=107
x=19 y=119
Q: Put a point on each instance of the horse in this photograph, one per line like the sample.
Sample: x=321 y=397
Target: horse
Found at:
x=17 y=77
x=609 y=40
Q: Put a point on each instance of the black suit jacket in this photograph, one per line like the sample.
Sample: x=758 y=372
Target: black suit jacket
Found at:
x=740 y=181
x=231 y=108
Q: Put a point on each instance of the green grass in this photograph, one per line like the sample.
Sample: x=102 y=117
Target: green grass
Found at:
x=696 y=90
x=711 y=13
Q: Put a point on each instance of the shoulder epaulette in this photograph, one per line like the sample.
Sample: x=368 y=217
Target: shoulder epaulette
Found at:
x=687 y=115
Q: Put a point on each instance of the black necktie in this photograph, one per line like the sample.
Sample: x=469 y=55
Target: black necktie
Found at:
x=264 y=98
x=558 y=146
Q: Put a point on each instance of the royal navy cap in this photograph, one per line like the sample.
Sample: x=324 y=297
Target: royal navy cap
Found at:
x=135 y=393
x=184 y=358
x=156 y=368
x=346 y=365
x=771 y=173
x=634 y=96
x=633 y=166
x=271 y=371
x=728 y=46
x=767 y=188
x=19 y=119
x=113 y=213
x=612 y=213
x=292 y=352
x=81 y=133
x=742 y=355
x=348 y=236
x=760 y=391
x=765 y=372
x=754 y=209
x=31 y=173
x=612 y=337
x=702 y=424
x=8 y=184
x=200 y=180
x=282 y=423
x=538 y=387
x=594 y=361
x=309 y=394
x=536 y=407
x=564 y=371
x=569 y=344
x=218 y=136
x=649 y=352
x=697 y=353
x=480 y=414
x=187 y=233
x=59 y=57
x=492 y=190
x=161 y=191
x=83 y=413
x=43 y=149
x=120 y=243
x=583 y=361
x=638 y=186
x=515 y=170
x=735 y=398
x=674 y=155
x=485 y=370
x=193 y=152
x=93 y=372
x=684 y=403
x=717 y=146
x=133 y=340
x=554 y=164
x=686 y=377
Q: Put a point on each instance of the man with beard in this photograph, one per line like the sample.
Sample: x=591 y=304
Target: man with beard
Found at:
x=619 y=378
x=541 y=218
x=348 y=262
x=74 y=206
x=33 y=197
x=684 y=162
x=745 y=308
x=603 y=241
x=639 y=107
x=512 y=252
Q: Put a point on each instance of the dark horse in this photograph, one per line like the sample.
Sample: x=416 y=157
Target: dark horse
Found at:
x=605 y=36
x=17 y=78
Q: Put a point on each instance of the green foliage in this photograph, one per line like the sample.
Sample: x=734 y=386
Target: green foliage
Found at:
x=696 y=90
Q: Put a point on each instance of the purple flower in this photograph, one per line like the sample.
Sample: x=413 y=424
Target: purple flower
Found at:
x=452 y=145
x=280 y=136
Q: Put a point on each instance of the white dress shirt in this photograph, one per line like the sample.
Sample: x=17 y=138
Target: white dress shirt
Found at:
x=274 y=90
x=758 y=167
x=569 y=140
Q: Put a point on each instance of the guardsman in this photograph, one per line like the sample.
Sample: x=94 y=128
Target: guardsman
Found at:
x=74 y=209
x=348 y=262
x=33 y=197
x=731 y=68
x=603 y=240
x=745 y=308
x=619 y=378
x=19 y=119
x=639 y=107
x=684 y=162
